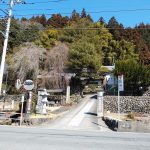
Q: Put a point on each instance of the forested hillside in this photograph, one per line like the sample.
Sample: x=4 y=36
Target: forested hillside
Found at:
x=79 y=43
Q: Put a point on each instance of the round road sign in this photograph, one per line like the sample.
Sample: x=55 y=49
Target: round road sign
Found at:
x=28 y=85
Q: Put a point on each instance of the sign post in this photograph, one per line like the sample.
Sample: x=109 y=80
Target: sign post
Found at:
x=18 y=84
x=21 y=116
x=120 y=88
x=28 y=85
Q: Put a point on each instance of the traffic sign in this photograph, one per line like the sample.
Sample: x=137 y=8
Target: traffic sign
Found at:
x=120 y=83
x=18 y=84
x=22 y=98
x=28 y=85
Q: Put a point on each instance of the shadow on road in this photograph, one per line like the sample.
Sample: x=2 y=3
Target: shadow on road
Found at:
x=94 y=97
x=90 y=113
x=100 y=125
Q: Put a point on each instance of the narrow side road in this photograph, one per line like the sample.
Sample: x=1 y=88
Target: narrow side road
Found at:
x=83 y=117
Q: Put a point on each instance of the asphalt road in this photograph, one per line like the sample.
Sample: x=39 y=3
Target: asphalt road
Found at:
x=20 y=138
x=82 y=117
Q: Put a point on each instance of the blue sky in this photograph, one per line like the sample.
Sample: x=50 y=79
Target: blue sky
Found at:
x=127 y=18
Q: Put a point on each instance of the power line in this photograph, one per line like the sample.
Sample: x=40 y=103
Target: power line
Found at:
x=90 y=12
x=33 y=3
x=45 y=2
x=58 y=28
x=3 y=2
x=32 y=9
x=122 y=10
x=52 y=1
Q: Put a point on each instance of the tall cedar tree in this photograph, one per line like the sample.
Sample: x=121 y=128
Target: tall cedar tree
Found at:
x=115 y=28
x=83 y=13
x=75 y=16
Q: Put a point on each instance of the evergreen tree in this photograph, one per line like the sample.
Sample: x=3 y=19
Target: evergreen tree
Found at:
x=115 y=28
x=102 y=21
x=47 y=38
x=135 y=75
x=23 y=19
x=145 y=55
x=89 y=18
x=75 y=16
x=83 y=13
x=84 y=55
x=43 y=20
x=57 y=21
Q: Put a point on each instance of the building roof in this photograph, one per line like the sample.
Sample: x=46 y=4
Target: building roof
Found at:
x=110 y=68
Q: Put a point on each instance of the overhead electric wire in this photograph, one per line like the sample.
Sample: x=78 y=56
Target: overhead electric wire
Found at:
x=31 y=9
x=3 y=3
x=67 y=13
x=88 y=12
x=32 y=3
x=58 y=28
x=44 y=2
x=52 y=1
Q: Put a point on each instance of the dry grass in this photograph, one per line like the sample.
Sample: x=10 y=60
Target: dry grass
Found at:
x=43 y=116
x=129 y=116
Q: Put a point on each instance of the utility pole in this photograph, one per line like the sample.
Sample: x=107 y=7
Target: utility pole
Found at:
x=6 y=35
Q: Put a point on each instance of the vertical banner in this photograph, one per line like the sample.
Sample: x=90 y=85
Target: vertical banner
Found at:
x=120 y=83
x=120 y=88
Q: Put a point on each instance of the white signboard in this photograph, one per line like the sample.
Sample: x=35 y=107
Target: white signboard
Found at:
x=18 y=84
x=28 y=85
x=120 y=83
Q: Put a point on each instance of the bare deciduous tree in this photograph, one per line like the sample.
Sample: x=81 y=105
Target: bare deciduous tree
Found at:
x=55 y=65
x=25 y=63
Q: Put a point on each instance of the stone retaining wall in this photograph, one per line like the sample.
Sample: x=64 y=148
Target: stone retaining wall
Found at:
x=11 y=102
x=9 y=98
x=127 y=104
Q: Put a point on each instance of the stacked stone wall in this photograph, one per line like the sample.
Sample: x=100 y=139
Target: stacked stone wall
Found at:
x=127 y=104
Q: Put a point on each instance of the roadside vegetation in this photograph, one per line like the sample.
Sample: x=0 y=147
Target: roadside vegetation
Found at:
x=61 y=44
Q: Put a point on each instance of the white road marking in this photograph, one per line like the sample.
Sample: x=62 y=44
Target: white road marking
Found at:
x=79 y=117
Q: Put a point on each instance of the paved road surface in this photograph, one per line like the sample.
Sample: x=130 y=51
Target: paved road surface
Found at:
x=13 y=138
x=83 y=117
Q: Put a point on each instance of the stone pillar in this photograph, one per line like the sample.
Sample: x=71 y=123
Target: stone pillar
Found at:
x=44 y=111
x=28 y=107
x=29 y=103
x=42 y=101
x=12 y=104
x=100 y=107
x=68 y=94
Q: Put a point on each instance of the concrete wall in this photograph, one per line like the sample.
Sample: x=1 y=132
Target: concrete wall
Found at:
x=127 y=104
x=128 y=125
x=134 y=126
